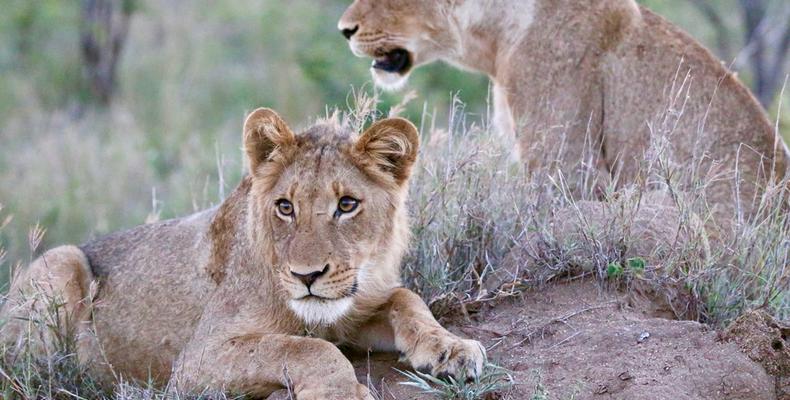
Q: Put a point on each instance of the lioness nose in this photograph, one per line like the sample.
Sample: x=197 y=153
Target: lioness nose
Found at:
x=349 y=32
x=310 y=278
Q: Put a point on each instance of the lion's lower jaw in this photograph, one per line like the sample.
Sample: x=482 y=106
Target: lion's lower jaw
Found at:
x=390 y=81
x=321 y=312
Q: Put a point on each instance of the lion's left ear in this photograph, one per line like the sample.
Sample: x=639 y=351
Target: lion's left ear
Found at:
x=392 y=145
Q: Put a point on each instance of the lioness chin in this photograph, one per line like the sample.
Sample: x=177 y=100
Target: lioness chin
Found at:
x=591 y=87
x=254 y=294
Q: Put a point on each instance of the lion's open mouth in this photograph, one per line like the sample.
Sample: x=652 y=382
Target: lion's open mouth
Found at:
x=396 y=61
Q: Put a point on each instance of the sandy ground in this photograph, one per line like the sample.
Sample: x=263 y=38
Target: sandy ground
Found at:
x=582 y=342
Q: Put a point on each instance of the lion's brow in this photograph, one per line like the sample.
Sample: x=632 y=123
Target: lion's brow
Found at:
x=320 y=159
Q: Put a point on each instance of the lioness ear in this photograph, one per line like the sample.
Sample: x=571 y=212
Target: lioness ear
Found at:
x=392 y=145
x=264 y=133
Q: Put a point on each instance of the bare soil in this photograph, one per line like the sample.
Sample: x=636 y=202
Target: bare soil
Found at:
x=579 y=341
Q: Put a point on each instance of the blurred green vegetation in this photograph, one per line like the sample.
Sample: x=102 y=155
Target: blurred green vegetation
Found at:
x=169 y=143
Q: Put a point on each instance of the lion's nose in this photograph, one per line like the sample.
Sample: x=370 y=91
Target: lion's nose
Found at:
x=349 y=32
x=310 y=278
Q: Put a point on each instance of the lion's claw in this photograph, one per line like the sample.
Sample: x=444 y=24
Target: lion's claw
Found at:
x=444 y=354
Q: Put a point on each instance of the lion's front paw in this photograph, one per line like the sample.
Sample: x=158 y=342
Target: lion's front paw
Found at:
x=354 y=392
x=443 y=354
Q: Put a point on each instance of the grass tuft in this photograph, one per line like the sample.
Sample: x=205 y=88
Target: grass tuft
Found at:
x=494 y=381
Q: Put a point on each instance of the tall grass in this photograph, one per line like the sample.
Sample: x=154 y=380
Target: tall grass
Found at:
x=475 y=212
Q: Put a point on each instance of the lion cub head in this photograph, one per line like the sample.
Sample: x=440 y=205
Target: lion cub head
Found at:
x=330 y=208
x=399 y=35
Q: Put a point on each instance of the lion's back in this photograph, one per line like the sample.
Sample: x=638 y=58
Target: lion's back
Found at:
x=163 y=243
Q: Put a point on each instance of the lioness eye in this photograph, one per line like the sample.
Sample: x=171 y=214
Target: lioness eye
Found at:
x=285 y=207
x=347 y=204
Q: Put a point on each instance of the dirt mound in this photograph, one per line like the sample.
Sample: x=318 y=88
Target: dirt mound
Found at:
x=765 y=341
x=578 y=341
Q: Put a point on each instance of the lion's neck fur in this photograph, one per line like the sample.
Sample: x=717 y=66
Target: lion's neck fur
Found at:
x=498 y=38
x=488 y=32
x=486 y=28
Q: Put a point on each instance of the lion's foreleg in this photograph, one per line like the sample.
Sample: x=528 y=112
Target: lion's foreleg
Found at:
x=425 y=344
x=257 y=365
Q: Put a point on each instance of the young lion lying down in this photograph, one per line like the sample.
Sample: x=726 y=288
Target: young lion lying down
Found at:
x=250 y=296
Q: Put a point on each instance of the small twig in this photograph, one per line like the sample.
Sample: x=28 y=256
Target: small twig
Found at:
x=560 y=343
x=563 y=319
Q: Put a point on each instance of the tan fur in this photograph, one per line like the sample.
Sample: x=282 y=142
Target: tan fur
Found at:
x=587 y=84
x=211 y=300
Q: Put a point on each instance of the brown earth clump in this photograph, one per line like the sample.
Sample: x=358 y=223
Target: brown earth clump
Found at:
x=766 y=341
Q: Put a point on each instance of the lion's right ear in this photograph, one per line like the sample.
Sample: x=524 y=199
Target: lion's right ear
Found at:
x=391 y=144
x=265 y=133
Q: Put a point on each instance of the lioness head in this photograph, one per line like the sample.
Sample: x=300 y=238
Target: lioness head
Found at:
x=330 y=207
x=399 y=35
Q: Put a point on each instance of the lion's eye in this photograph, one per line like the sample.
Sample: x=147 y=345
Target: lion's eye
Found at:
x=284 y=207
x=347 y=204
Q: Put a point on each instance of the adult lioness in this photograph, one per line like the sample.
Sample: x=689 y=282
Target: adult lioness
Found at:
x=585 y=82
x=249 y=296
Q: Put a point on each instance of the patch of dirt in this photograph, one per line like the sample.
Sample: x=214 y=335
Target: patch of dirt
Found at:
x=767 y=342
x=579 y=341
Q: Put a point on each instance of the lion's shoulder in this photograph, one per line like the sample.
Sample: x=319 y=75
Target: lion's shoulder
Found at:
x=223 y=230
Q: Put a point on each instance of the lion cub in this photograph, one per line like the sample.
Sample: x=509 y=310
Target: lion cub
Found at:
x=254 y=294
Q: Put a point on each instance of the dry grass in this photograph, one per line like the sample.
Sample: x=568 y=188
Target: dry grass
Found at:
x=472 y=206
